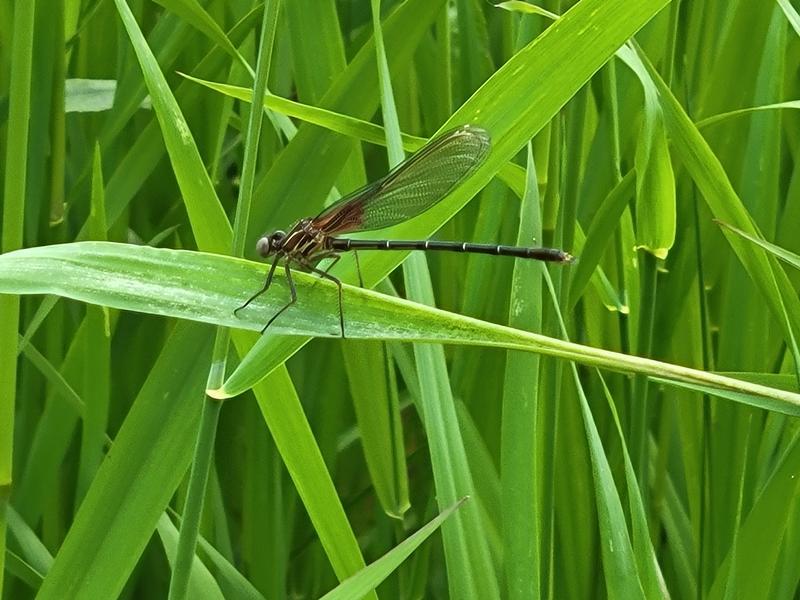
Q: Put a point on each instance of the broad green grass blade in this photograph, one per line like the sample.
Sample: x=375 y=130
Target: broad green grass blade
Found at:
x=148 y=460
x=209 y=223
x=600 y=234
x=620 y=568
x=204 y=287
x=14 y=189
x=621 y=576
x=521 y=506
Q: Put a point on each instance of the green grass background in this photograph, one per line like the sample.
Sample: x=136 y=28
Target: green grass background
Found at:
x=622 y=427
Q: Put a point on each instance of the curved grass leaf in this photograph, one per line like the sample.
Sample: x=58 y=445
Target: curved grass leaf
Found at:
x=207 y=287
x=716 y=119
x=788 y=257
x=194 y=14
x=371 y=576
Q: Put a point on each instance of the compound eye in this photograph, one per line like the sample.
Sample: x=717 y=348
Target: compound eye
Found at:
x=263 y=247
x=269 y=244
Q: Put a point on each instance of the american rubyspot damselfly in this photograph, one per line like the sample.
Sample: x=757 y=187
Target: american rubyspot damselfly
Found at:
x=409 y=189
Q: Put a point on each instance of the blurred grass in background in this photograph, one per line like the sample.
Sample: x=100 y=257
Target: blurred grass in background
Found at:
x=636 y=480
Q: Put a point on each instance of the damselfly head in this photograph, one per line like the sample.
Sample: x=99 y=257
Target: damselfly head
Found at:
x=269 y=244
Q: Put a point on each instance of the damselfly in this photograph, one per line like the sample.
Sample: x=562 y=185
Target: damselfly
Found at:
x=409 y=189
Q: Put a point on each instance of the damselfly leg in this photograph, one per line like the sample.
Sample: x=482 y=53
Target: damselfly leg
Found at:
x=292 y=291
x=267 y=283
x=324 y=274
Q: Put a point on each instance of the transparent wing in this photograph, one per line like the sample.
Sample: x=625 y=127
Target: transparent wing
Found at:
x=412 y=187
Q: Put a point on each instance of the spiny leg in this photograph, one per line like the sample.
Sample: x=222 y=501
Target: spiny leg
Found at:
x=292 y=291
x=266 y=284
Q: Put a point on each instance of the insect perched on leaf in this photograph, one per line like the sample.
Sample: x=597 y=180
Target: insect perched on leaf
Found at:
x=409 y=189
